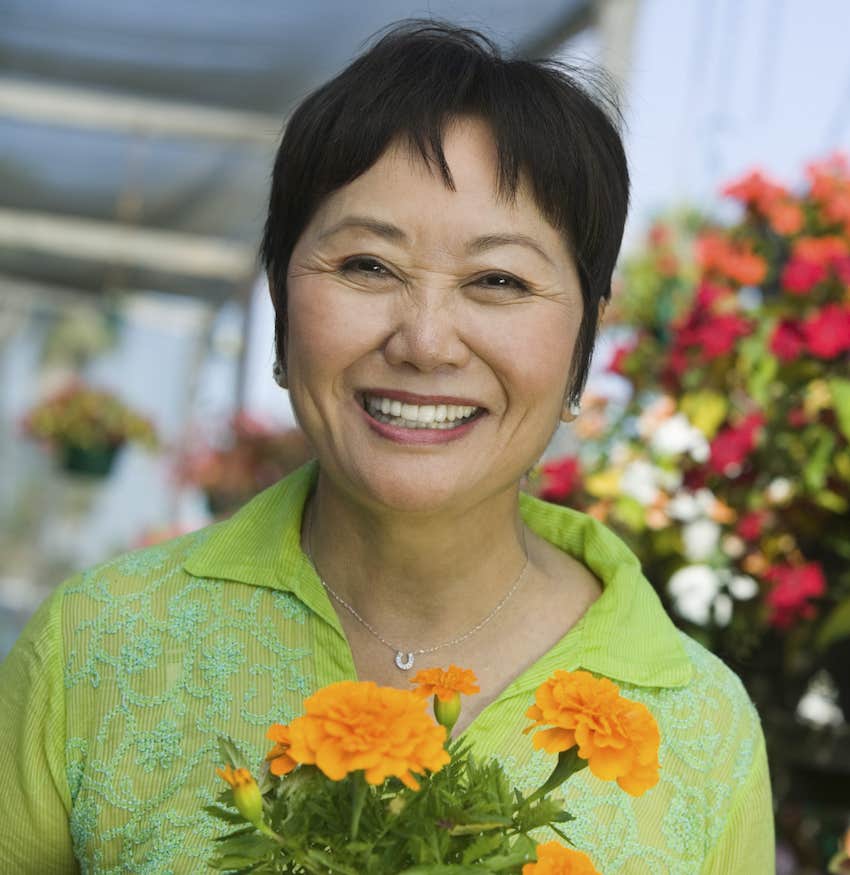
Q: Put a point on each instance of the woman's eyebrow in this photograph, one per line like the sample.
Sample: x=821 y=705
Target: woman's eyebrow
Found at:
x=491 y=241
x=376 y=226
x=396 y=235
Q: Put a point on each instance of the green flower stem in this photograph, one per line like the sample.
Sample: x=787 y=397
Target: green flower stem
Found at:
x=358 y=797
x=569 y=762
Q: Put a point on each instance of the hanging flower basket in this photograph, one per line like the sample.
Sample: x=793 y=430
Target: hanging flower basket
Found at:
x=96 y=461
x=86 y=428
x=252 y=457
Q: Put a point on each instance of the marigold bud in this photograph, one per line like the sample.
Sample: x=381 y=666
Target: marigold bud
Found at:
x=447 y=711
x=246 y=794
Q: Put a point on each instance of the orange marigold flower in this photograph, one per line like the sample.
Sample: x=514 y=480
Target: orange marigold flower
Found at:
x=556 y=859
x=445 y=684
x=280 y=762
x=357 y=725
x=618 y=738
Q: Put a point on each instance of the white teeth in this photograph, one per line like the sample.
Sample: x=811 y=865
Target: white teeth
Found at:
x=439 y=416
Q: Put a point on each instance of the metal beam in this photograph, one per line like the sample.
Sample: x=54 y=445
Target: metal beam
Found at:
x=576 y=19
x=47 y=103
x=169 y=252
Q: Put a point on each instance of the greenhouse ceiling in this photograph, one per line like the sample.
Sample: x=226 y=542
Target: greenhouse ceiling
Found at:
x=136 y=139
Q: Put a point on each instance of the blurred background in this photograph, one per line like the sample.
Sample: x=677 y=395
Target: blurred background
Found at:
x=136 y=396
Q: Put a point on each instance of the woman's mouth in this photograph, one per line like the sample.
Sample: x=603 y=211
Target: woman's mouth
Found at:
x=402 y=414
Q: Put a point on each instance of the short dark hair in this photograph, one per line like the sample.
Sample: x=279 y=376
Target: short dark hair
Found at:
x=419 y=75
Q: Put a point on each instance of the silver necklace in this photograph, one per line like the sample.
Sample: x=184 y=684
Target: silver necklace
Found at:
x=404 y=658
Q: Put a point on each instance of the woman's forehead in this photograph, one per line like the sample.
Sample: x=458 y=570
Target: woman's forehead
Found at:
x=404 y=190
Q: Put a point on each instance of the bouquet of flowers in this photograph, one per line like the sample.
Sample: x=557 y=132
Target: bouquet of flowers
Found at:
x=367 y=782
x=87 y=426
x=252 y=457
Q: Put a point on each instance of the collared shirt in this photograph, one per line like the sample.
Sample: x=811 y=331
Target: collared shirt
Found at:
x=112 y=701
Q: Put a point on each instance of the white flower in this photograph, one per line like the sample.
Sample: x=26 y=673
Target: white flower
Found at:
x=683 y=507
x=733 y=546
x=639 y=480
x=700 y=539
x=677 y=435
x=669 y=481
x=743 y=587
x=779 y=490
x=722 y=609
x=818 y=705
x=694 y=589
x=749 y=297
x=673 y=436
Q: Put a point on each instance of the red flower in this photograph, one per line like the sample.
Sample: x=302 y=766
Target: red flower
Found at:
x=732 y=445
x=793 y=587
x=841 y=267
x=561 y=477
x=828 y=332
x=752 y=524
x=621 y=353
x=797 y=417
x=788 y=342
x=718 y=336
x=801 y=276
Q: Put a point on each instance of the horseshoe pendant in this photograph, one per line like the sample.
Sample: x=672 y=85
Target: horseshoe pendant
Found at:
x=404 y=661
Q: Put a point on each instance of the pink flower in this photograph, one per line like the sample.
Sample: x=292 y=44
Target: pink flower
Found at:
x=828 y=332
x=560 y=477
x=801 y=276
x=788 y=342
x=793 y=586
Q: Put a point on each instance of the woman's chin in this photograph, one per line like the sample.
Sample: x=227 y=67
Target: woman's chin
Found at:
x=417 y=488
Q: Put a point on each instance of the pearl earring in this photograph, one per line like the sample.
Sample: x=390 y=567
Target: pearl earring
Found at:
x=575 y=408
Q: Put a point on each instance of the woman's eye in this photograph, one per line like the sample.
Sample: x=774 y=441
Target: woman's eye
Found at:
x=365 y=267
x=502 y=281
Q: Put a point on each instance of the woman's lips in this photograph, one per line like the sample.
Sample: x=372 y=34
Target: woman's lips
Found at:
x=423 y=434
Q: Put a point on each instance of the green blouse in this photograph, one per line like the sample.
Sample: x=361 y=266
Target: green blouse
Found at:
x=113 y=698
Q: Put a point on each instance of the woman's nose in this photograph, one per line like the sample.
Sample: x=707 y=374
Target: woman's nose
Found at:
x=426 y=333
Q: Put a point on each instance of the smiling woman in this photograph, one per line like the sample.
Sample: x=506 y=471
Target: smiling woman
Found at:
x=442 y=229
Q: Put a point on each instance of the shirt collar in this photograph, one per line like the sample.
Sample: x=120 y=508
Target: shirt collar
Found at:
x=625 y=634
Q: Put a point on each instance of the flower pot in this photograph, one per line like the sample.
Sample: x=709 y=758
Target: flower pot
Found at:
x=94 y=461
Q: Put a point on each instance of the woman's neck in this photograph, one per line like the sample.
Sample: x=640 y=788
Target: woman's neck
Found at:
x=405 y=574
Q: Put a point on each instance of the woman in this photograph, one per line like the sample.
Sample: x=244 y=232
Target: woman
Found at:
x=442 y=229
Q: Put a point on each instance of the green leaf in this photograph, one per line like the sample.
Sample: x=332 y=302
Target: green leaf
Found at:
x=224 y=814
x=831 y=501
x=836 y=625
x=631 y=512
x=839 y=388
x=443 y=869
x=762 y=377
x=234 y=861
x=481 y=847
x=816 y=467
x=230 y=753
